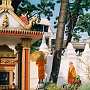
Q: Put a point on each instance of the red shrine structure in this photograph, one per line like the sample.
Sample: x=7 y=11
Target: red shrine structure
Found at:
x=16 y=38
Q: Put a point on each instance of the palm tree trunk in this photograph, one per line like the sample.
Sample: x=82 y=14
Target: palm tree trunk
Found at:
x=59 y=42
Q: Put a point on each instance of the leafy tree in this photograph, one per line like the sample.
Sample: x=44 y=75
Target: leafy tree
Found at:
x=83 y=24
x=75 y=9
x=45 y=7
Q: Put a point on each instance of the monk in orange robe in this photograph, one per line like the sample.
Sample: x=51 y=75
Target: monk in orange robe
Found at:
x=41 y=69
x=71 y=73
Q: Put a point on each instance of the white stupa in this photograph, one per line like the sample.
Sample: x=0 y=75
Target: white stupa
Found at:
x=43 y=47
x=69 y=56
x=85 y=64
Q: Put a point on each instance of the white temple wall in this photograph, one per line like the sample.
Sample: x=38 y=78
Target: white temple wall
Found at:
x=49 y=66
x=33 y=75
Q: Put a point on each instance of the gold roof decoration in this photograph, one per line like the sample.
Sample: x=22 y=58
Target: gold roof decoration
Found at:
x=5 y=23
x=32 y=22
x=6 y=5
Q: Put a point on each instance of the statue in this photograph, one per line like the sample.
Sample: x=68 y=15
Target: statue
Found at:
x=71 y=73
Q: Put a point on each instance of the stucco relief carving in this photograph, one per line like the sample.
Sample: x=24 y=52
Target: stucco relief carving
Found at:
x=8 y=61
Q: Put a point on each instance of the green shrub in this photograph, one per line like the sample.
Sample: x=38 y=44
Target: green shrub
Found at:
x=52 y=86
x=72 y=87
x=84 y=87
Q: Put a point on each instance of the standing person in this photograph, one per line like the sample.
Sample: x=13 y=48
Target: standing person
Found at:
x=41 y=68
x=71 y=73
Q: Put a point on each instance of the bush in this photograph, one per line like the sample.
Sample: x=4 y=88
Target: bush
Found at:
x=84 y=87
x=73 y=86
x=52 y=86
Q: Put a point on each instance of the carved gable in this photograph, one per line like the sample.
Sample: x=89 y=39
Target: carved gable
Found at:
x=7 y=20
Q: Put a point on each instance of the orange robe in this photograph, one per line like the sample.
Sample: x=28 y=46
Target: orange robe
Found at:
x=41 y=68
x=71 y=75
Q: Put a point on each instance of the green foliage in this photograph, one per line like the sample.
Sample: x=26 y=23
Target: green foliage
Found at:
x=52 y=86
x=84 y=87
x=73 y=86
x=35 y=45
x=45 y=7
x=76 y=8
x=75 y=26
x=85 y=4
x=83 y=24
x=33 y=49
x=25 y=7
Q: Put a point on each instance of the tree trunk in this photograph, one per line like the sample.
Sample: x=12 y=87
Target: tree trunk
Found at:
x=59 y=42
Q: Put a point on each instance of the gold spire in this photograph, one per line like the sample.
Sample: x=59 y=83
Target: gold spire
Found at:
x=6 y=4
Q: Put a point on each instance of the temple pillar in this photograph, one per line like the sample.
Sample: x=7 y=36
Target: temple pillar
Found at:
x=26 y=64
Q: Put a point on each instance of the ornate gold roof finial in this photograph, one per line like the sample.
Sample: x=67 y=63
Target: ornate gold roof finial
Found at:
x=6 y=4
x=5 y=21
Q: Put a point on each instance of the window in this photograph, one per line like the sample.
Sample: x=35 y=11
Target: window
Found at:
x=4 y=78
x=40 y=27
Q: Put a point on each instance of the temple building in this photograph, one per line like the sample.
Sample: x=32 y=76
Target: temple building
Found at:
x=16 y=37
